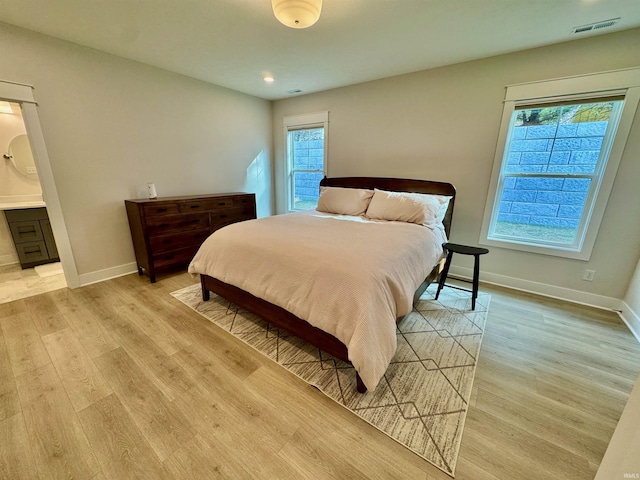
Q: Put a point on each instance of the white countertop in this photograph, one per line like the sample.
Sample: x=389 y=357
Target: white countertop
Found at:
x=17 y=205
x=21 y=201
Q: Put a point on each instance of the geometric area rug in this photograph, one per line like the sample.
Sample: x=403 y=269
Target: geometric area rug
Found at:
x=423 y=398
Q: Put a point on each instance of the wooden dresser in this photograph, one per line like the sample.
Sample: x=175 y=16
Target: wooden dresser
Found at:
x=167 y=232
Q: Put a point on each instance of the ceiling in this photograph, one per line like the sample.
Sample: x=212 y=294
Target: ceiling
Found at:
x=234 y=43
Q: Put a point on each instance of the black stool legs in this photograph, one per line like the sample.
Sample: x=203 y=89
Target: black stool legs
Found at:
x=444 y=273
x=476 y=276
x=463 y=250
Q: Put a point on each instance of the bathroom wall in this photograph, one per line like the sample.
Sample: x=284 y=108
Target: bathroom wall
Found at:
x=13 y=185
x=8 y=253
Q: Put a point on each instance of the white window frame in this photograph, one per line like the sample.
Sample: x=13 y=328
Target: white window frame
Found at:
x=300 y=122
x=614 y=83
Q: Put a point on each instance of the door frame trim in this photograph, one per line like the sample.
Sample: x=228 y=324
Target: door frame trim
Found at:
x=23 y=94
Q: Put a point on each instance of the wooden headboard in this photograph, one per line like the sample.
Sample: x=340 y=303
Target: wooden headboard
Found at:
x=398 y=185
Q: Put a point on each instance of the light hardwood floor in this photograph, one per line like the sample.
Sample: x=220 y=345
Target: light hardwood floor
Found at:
x=119 y=380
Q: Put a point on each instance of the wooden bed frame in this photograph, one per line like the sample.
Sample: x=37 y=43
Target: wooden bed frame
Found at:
x=285 y=320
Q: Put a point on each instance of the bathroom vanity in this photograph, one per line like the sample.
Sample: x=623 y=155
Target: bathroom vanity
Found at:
x=32 y=235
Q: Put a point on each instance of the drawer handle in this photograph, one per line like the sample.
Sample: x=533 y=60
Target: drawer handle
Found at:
x=223 y=216
x=166 y=242
x=195 y=220
x=161 y=210
x=222 y=203
x=164 y=225
x=194 y=206
x=169 y=257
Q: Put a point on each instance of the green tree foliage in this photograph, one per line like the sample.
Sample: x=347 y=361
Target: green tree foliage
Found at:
x=538 y=116
x=592 y=112
x=595 y=112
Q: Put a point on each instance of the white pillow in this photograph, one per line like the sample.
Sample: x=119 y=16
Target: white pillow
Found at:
x=423 y=209
x=344 y=201
x=444 y=206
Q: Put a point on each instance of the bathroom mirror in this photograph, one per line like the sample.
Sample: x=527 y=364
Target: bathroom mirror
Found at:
x=21 y=156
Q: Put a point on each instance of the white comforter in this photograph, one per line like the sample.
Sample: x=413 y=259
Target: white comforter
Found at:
x=349 y=276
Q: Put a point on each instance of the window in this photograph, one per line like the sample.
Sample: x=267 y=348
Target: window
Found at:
x=556 y=161
x=305 y=140
x=555 y=156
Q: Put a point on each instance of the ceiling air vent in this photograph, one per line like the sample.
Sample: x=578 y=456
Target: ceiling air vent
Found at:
x=595 y=26
x=293 y=92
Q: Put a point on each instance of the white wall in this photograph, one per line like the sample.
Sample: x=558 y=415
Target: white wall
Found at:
x=633 y=293
x=12 y=183
x=631 y=304
x=111 y=125
x=622 y=453
x=410 y=126
x=621 y=460
x=8 y=254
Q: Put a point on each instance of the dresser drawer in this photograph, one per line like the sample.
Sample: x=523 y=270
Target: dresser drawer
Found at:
x=176 y=257
x=243 y=200
x=227 y=217
x=176 y=241
x=160 y=225
x=207 y=204
x=161 y=209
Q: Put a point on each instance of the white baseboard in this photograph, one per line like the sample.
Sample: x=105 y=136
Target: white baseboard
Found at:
x=632 y=319
x=9 y=259
x=552 y=291
x=107 y=273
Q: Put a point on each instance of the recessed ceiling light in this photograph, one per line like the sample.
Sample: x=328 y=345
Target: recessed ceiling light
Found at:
x=269 y=79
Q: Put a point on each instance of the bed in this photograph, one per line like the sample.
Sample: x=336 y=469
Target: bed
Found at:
x=327 y=296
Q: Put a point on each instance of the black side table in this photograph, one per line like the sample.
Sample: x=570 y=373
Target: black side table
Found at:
x=463 y=250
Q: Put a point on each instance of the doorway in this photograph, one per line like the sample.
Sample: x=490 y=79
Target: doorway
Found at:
x=29 y=261
x=35 y=253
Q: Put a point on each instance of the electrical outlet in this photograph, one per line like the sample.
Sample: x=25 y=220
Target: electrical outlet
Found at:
x=32 y=170
x=589 y=275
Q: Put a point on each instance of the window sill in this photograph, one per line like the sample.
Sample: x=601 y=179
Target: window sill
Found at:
x=537 y=249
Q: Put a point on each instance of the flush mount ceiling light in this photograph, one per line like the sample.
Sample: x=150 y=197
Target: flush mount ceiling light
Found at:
x=297 y=13
x=268 y=79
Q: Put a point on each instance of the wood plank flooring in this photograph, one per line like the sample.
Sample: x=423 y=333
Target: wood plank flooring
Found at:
x=119 y=380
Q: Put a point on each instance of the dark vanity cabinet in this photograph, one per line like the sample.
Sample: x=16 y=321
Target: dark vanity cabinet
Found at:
x=32 y=236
